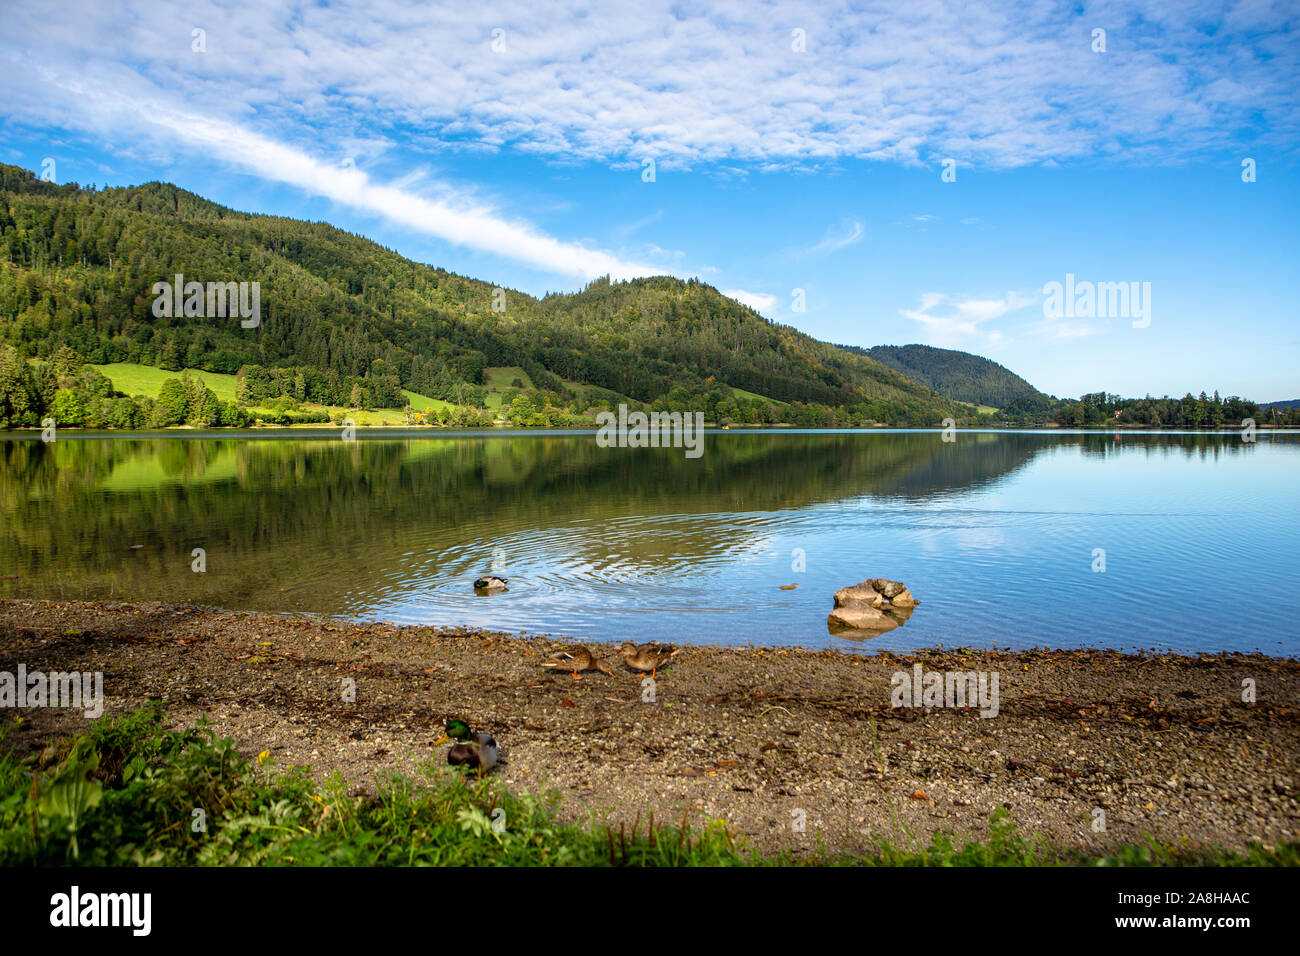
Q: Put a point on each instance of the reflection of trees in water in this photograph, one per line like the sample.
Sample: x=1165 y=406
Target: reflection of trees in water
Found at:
x=1139 y=443
x=970 y=462
x=75 y=506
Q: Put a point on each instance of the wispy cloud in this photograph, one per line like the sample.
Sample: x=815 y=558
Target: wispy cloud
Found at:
x=949 y=321
x=628 y=228
x=846 y=235
x=453 y=216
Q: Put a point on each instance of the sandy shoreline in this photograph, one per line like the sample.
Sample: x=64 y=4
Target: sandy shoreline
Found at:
x=758 y=737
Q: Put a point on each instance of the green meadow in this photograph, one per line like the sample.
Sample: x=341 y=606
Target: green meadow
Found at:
x=146 y=380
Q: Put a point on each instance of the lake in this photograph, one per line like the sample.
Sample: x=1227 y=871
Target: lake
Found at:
x=1001 y=536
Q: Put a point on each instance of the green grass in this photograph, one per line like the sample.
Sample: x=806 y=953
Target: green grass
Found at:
x=125 y=793
x=146 y=380
x=421 y=403
x=500 y=376
x=981 y=409
x=752 y=396
x=497 y=379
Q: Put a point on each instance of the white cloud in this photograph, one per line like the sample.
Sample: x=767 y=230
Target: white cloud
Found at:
x=760 y=302
x=961 y=319
x=1005 y=83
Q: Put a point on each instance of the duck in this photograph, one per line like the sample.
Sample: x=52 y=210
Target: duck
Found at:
x=575 y=659
x=647 y=657
x=477 y=751
x=491 y=582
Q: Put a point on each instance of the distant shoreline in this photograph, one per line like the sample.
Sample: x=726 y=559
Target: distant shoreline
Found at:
x=709 y=427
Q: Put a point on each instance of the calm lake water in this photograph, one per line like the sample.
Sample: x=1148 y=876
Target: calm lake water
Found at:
x=995 y=533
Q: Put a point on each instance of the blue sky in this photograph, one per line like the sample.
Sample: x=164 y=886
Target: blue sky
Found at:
x=795 y=147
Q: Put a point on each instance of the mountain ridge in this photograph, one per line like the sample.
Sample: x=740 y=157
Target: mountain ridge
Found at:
x=79 y=264
x=958 y=375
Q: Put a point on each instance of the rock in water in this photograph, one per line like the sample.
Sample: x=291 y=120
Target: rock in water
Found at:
x=861 y=617
x=887 y=587
x=864 y=593
x=903 y=599
x=876 y=604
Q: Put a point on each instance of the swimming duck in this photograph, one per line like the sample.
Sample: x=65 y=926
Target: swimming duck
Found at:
x=576 y=659
x=647 y=657
x=490 y=583
x=478 y=751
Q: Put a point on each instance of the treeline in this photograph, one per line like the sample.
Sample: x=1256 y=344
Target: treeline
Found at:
x=720 y=406
x=77 y=267
x=379 y=388
x=73 y=394
x=1202 y=411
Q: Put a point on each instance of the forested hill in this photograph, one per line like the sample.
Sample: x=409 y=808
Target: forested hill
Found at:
x=957 y=375
x=77 y=267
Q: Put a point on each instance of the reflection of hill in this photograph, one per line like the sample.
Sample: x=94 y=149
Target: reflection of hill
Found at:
x=971 y=461
x=71 y=509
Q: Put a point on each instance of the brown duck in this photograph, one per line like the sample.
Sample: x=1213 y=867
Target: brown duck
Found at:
x=647 y=657
x=574 y=659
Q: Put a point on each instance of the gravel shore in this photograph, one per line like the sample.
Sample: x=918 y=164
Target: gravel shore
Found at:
x=762 y=738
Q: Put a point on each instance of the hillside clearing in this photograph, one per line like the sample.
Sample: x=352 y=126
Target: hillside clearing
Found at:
x=146 y=380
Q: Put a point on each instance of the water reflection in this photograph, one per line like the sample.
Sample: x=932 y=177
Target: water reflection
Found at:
x=595 y=541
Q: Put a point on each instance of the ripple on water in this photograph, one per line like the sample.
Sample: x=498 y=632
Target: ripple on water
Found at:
x=1000 y=549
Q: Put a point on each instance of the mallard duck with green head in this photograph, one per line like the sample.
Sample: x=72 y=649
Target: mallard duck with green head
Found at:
x=478 y=751
x=490 y=582
x=647 y=657
x=575 y=659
